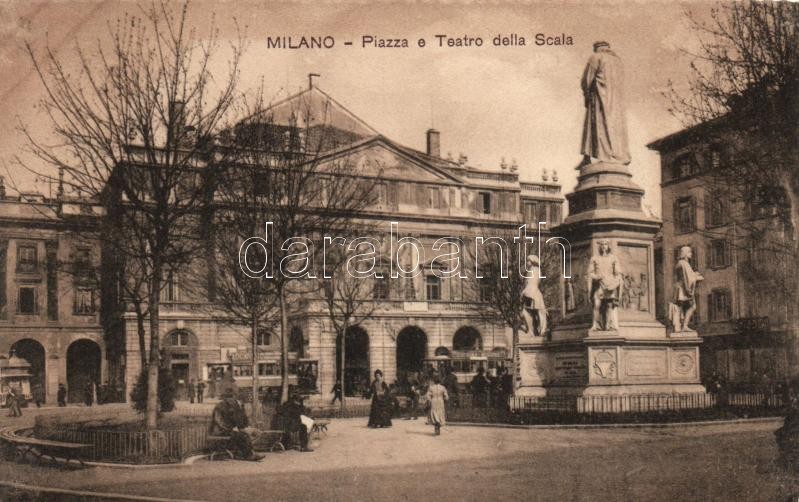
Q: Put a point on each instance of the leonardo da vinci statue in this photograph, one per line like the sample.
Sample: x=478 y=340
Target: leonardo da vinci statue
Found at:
x=605 y=129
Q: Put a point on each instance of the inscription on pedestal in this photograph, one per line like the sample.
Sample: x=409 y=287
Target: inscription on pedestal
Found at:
x=641 y=363
x=570 y=367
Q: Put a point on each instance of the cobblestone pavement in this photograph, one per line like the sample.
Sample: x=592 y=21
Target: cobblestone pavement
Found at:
x=406 y=462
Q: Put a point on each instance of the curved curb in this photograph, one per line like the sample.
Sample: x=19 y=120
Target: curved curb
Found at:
x=86 y=493
x=621 y=426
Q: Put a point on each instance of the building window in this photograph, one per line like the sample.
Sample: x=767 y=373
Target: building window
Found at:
x=267 y=369
x=554 y=213
x=719 y=253
x=263 y=338
x=715 y=157
x=83 y=261
x=170 y=292
x=685 y=215
x=179 y=339
x=381 y=291
x=720 y=305
x=530 y=213
x=484 y=289
x=433 y=197
x=684 y=166
x=715 y=208
x=26 y=258
x=27 y=301
x=433 y=287
x=485 y=202
x=84 y=301
x=241 y=370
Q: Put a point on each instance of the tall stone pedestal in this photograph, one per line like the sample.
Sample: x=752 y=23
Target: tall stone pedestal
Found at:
x=638 y=358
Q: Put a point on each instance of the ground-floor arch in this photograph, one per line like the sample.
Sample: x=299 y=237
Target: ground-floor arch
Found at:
x=356 y=361
x=33 y=352
x=411 y=351
x=83 y=368
x=467 y=338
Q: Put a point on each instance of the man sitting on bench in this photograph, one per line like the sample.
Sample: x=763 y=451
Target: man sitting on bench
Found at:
x=294 y=419
x=229 y=419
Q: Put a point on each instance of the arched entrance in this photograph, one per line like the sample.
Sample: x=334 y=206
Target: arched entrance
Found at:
x=180 y=352
x=356 y=361
x=33 y=352
x=83 y=366
x=411 y=351
x=467 y=338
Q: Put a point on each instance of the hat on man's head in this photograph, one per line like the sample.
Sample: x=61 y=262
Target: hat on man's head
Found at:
x=601 y=43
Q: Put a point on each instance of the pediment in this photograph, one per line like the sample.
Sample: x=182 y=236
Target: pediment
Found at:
x=378 y=158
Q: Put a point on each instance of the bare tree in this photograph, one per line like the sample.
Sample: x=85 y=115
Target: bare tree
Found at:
x=349 y=295
x=742 y=98
x=135 y=125
x=497 y=291
x=305 y=182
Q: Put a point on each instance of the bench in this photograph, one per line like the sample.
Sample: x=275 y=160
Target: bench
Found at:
x=264 y=440
x=39 y=448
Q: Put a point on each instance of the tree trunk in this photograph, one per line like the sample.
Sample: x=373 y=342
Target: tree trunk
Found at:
x=284 y=349
x=142 y=335
x=254 y=361
x=515 y=354
x=343 y=363
x=152 y=370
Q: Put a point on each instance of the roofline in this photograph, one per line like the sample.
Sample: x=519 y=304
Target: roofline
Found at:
x=326 y=95
x=685 y=134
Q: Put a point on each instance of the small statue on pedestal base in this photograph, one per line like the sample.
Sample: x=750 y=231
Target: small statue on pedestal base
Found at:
x=685 y=280
x=604 y=288
x=534 y=312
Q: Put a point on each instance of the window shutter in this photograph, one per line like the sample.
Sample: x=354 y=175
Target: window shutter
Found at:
x=693 y=214
x=711 y=311
x=709 y=255
x=708 y=209
x=421 y=194
x=675 y=216
x=391 y=195
x=727 y=253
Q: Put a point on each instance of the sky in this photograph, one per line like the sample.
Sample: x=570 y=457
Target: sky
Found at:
x=488 y=102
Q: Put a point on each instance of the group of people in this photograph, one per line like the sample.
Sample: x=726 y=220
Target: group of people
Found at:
x=489 y=390
x=384 y=400
x=14 y=399
x=195 y=389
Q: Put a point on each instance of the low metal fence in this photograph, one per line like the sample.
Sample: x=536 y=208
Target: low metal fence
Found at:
x=160 y=445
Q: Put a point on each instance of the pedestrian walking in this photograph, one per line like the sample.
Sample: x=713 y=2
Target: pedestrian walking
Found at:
x=88 y=393
x=413 y=396
x=37 y=394
x=336 y=390
x=191 y=390
x=380 y=413
x=62 y=395
x=13 y=403
x=200 y=391
x=437 y=397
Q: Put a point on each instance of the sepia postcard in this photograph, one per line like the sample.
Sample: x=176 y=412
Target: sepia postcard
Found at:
x=399 y=250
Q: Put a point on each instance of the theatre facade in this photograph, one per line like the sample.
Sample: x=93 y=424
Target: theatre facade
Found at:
x=415 y=321
x=63 y=322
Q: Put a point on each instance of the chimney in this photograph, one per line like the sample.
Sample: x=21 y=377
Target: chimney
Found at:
x=433 y=143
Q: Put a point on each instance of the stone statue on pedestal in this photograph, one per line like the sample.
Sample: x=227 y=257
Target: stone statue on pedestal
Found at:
x=605 y=129
x=685 y=281
x=534 y=312
x=605 y=283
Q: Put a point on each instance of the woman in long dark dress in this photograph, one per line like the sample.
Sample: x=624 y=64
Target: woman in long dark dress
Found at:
x=380 y=414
